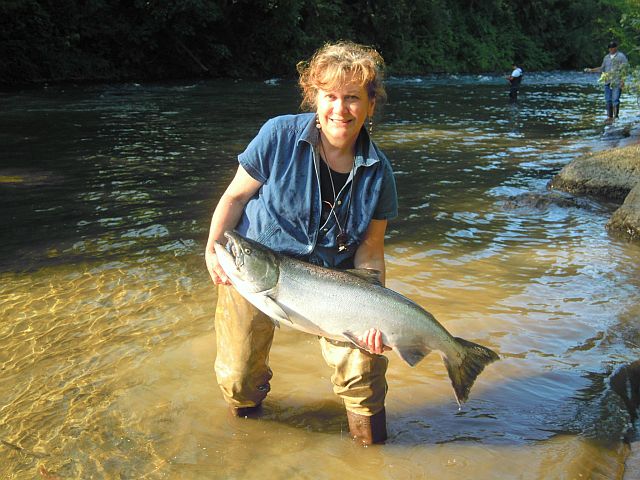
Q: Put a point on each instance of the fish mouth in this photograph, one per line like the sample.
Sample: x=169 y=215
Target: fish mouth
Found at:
x=235 y=248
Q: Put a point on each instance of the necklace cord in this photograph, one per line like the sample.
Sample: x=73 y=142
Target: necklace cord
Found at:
x=341 y=246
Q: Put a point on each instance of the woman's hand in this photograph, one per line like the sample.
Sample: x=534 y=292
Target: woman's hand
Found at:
x=225 y=217
x=373 y=341
x=215 y=269
x=370 y=254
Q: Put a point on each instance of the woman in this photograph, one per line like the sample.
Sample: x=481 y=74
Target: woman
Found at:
x=313 y=186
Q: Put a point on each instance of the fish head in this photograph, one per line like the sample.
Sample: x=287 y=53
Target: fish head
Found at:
x=248 y=263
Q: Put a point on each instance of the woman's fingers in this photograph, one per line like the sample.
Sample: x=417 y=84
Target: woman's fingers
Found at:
x=372 y=338
x=215 y=269
x=220 y=277
x=377 y=341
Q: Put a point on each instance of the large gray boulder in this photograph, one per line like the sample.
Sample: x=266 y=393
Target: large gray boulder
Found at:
x=627 y=217
x=613 y=174
x=609 y=173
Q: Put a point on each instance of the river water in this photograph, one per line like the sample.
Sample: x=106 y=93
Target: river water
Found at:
x=106 y=330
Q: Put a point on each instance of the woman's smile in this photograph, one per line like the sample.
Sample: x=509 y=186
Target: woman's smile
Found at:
x=342 y=111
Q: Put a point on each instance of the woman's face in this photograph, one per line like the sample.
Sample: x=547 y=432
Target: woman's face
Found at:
x=342 y=112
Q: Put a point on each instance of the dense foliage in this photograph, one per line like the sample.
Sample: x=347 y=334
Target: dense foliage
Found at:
x=51 y=40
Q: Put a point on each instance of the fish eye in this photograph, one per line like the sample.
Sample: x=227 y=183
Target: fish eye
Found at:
x=247 y=251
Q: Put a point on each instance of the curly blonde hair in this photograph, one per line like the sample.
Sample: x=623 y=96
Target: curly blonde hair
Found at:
x=336 y=63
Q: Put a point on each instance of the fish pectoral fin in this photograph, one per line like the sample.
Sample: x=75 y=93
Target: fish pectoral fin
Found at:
x=413 y=354
x=369 y=275
x=275 y=312
x=356 y=341
x=268 y=306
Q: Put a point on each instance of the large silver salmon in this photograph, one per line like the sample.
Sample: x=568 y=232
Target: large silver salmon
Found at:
x=343 y=304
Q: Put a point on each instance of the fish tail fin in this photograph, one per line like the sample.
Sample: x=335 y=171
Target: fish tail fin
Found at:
x=463 y=373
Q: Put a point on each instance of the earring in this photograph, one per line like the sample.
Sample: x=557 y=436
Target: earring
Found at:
x=370 y=125
x=318 y=126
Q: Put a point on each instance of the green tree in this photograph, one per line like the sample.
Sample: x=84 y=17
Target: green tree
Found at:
x=45 y=40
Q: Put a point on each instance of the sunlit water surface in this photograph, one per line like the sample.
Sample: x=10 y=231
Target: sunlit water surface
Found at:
x=106 y=335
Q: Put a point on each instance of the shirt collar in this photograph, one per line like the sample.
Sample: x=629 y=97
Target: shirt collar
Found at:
x=366 y=155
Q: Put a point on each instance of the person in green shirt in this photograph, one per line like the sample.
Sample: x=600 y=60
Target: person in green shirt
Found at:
x=613 y=70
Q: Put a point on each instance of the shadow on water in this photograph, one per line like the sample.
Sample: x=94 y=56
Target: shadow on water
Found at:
x=625 y=382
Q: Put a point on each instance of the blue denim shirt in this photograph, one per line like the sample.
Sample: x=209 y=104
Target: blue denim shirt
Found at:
x=285 y=213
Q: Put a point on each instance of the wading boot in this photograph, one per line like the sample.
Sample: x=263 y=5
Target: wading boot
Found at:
x=609 y=114
x=616 y=111
x=246 y=412
x=368 y=430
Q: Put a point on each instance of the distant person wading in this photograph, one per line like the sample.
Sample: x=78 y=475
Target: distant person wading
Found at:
x=613 y=71
x=515 y=79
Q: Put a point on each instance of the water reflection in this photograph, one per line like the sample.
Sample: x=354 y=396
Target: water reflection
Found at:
x=107 y=334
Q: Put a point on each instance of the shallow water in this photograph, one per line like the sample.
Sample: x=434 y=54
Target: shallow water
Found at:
x=106 y=328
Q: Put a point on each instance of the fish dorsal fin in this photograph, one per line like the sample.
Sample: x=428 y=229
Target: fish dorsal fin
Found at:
x=369 y=275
